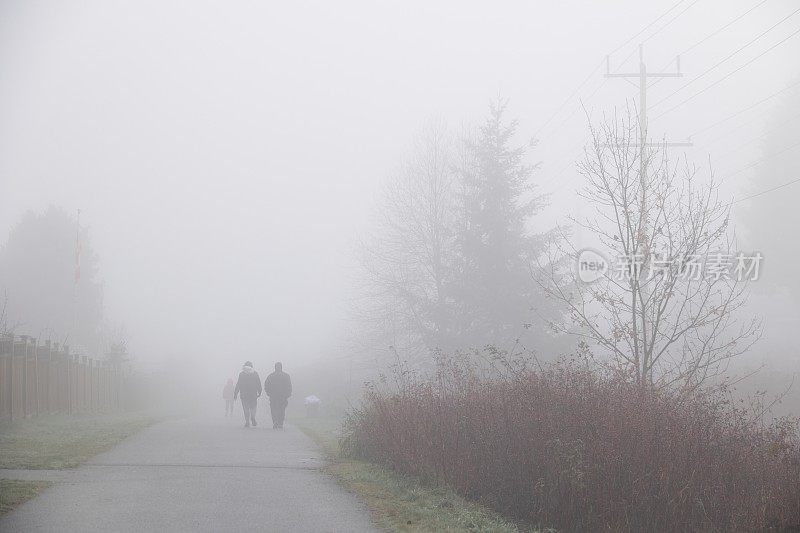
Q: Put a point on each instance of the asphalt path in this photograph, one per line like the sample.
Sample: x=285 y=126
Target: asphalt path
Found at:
x=197 y=474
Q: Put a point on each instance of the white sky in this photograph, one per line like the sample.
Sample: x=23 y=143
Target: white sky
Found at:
x=226 y=155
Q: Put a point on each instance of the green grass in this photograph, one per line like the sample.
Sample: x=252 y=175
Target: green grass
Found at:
x=14 y=492
x=397 y=502
x=57 y=442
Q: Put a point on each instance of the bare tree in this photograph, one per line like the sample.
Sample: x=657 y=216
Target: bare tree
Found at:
x=664 y=305
x=409 y=258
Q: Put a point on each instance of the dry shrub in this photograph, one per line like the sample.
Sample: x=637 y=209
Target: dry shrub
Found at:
x=573 y=449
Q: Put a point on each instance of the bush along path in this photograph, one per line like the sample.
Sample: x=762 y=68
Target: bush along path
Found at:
x=399 y=502
x=578 y=450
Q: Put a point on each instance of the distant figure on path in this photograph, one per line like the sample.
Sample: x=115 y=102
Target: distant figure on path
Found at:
x=312 y=405
x=227 y=395
x=278 y=386
x=249 y=385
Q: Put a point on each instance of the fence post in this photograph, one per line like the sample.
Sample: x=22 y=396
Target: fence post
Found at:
x=90 y=384
x=101 y=383
x=95 y=365
x=62 y=377
x=83 y=364
x=24 y=350
x=48 y=386
x=57 y=377
x=98 y=381
x=110 y=385
x=11 y=383
x=89 y=370
x=76 y=381
x=115 y=392
x=99 y=393
x=52 y=382
x=102 y=396
x=7 y=353
x=35 y=351
x=70 y=388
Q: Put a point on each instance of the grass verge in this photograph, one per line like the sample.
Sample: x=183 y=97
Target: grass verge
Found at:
x=14 y=492
x=400 y=503
x=57 y=442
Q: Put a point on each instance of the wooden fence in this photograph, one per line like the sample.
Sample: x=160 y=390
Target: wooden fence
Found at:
x=42 y=378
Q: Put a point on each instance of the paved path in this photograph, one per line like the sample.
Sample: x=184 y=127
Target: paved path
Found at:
x=197 y=475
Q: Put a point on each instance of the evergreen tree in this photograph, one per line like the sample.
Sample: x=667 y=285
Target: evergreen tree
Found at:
x=448 y=266
x=495 y=291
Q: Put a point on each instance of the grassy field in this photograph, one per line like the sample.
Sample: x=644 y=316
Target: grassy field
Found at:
x=56 y=442
x=14 y=492
x=399 y=503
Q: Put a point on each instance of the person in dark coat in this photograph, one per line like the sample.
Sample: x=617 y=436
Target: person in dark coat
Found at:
x=249 y=385
x=278 y=386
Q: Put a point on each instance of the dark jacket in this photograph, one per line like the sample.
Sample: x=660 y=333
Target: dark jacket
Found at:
x=248 y=384
x=278 y=385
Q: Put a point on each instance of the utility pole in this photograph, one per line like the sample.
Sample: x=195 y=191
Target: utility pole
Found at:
x=643 y=75
x=643 y=359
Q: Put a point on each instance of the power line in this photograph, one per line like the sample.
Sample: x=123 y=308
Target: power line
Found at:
x=742 y=169
x=671 y=21
x=723 y=28
x=642 y=75
x=731 y=131
x=627 y=57
x=709 y=36
x=665 y=13
x=762 y=159
x=780 y=125
x=575 y=110
x=665 y=67
x=748 y=108
x=594 y=71
x=737 y=171
x=702 y=74
x=727 y=174
x=659 y=31
x=570 y=97
x=573 y=151
x=695 y=95
x=781 y=186
x=716 y=32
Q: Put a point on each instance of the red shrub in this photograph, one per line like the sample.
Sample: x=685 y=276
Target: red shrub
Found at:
x=572 y=449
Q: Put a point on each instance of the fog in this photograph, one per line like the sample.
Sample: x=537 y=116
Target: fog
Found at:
x=228 y=158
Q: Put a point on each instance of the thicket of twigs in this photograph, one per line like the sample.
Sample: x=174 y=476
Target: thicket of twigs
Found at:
x=570 y=448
